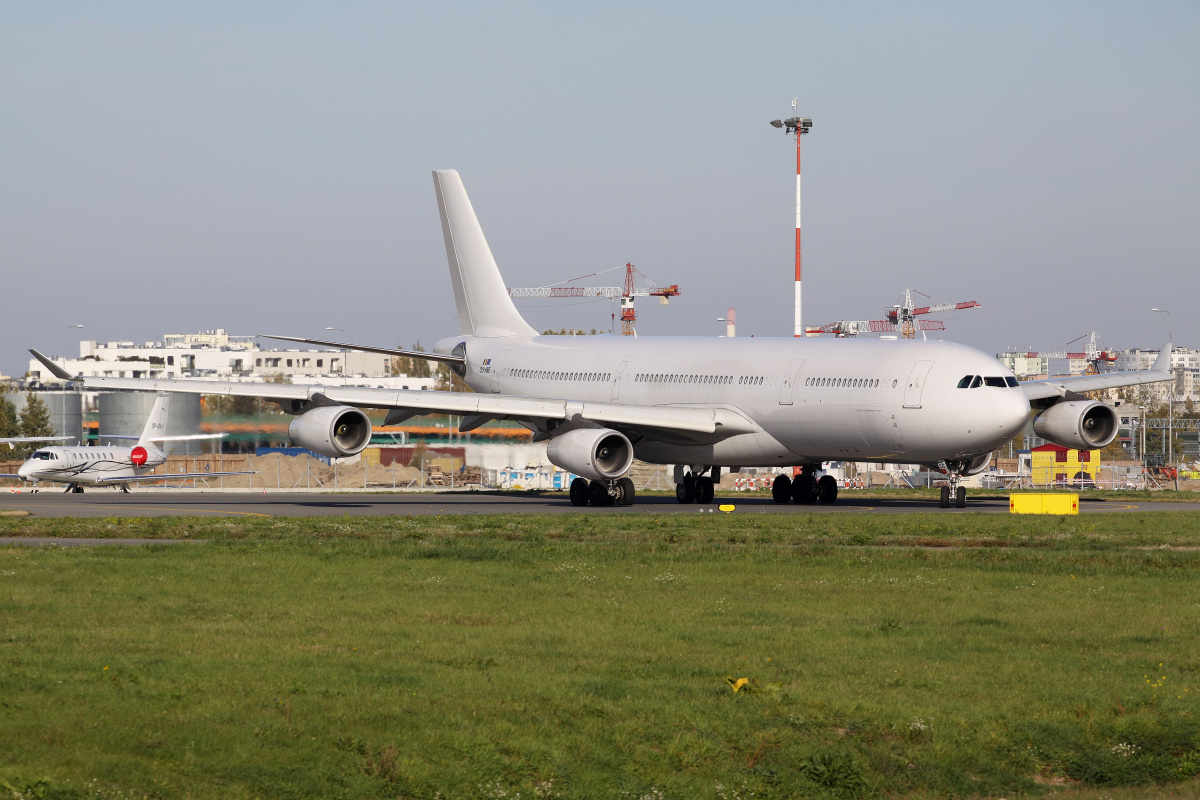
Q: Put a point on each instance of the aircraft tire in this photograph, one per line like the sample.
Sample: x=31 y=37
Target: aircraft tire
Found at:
x=960 y=499
x=945 y=497
x=804 y=489
x=705 y=489
x=827 y=489
x=625 y=493
x=781 y=489
x=686 y=492
x=580 y=492
x=598 y=494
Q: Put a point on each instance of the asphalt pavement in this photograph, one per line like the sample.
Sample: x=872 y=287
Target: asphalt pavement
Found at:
x=107 y=503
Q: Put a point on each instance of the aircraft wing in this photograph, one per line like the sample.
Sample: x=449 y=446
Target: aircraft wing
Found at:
x=693 y=422
x=27 y=439
x=1077 y=384
x=190 y=437
x=170 y=476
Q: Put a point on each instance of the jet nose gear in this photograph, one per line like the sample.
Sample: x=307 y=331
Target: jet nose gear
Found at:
x=953 y=492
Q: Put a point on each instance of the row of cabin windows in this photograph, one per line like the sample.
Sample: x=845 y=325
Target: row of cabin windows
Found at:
x=43 y=455
x=840 y=383
x=975 y=381
x=673 y=378
x=542 y=374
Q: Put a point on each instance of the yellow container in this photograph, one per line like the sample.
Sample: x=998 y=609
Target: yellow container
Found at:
x=1043 y=503
x=370 y=455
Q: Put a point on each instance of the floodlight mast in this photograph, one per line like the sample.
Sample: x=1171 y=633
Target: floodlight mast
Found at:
x=796 y=126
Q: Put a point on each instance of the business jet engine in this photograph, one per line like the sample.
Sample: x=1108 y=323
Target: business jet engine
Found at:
x=598 y=454
x=1078 y=424
x=334 y=431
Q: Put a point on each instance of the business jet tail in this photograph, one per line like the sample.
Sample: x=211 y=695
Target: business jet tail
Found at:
x=156 y=423
x=484 y=307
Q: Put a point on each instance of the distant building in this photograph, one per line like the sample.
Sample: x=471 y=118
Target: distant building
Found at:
x=1025 y=366
x=215 y=355
x=1055 y=465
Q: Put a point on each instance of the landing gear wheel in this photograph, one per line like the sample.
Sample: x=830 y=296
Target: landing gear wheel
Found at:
x=705 y=489
x=625 y=492
x=124 y=489
x=686 y=492
x=945 y=497
x=781 y=489
x=598 y=494
x=960 y=497
x=827 y=489
x=77 y=489
x=580 y=492
x=804 y=489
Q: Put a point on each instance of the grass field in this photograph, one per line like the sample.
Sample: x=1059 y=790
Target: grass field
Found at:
x=594 y=656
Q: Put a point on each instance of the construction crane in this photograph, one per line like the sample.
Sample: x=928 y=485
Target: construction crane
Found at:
x=625 y=294
x=1097 y=359
x=901 y=317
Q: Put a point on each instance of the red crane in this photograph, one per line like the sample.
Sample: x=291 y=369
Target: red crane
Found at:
x=901 y=317
x=625 y=294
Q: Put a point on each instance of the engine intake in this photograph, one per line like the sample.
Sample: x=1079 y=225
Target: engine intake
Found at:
x=1078 y=424
x=598 y=454
x=334 y=431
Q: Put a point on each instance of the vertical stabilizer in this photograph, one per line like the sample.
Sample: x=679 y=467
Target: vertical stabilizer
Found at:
x=156 y=423
x=484 y=307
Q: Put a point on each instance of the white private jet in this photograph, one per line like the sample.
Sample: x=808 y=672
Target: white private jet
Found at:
x=107 y=465
x=701 y=404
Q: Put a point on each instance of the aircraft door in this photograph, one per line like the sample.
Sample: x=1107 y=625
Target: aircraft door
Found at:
x=916 y=383
x=497 y=365
x=789 y=381
x=616 y=384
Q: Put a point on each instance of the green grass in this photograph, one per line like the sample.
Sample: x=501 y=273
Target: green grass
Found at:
x=587 y=656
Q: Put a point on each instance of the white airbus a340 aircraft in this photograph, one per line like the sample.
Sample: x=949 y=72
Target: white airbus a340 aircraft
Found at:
x=702 y=404
x=106 y=465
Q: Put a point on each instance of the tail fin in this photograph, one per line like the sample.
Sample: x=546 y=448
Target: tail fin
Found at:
x=484 y=307
x=156 y=423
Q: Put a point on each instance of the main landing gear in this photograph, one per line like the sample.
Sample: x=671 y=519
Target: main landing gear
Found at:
x=693 y=485
x=602 y=493
x=805 y=488
x=954 y=492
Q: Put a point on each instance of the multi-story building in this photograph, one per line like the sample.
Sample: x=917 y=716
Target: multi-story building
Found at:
x=1185 y=363
x=217 y=355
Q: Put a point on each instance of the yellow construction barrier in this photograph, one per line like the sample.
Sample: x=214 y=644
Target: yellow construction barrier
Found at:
x=1043 y=503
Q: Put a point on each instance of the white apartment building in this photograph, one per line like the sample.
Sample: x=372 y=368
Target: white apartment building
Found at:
x=215 y=355
x=1185 y=363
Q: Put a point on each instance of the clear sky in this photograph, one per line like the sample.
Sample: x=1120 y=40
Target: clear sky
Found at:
x=265 y=167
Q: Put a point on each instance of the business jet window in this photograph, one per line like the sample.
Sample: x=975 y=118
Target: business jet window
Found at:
x=40 y=455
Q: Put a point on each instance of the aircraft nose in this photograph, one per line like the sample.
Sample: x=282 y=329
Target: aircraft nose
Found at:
x=25 y=470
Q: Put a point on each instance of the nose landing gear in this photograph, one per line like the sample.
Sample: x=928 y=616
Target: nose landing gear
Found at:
x=954 y=491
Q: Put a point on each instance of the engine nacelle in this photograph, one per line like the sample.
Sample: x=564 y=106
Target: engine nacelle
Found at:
x=334 y=431
x=598 y=454
x=1078 y=424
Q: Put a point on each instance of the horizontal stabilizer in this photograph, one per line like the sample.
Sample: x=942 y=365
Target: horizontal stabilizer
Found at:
x=55 y=369
x=387 y=351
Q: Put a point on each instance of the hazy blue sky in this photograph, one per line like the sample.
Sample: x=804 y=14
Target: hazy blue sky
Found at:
x=266 y=166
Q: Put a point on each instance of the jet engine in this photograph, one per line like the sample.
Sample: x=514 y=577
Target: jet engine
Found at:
x=598 y=454
x=334 y=431
x=1078 y=424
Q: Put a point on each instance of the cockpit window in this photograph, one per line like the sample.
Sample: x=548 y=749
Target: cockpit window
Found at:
x=994 y=382
x=965 y=382
x=41 y=455
x=976 y=382
x=1011 y=381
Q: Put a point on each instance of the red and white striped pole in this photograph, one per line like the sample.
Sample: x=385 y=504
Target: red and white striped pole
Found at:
x=799 y=305
x=797 y=126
